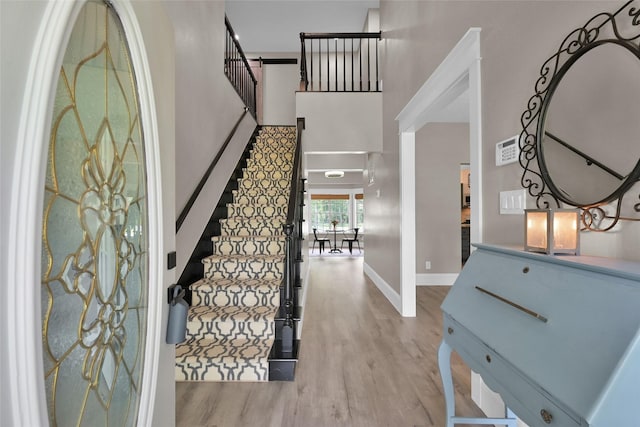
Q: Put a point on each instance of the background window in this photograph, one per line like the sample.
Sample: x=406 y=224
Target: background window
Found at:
x=328 y=207
x=359 y=212
x=347 y=209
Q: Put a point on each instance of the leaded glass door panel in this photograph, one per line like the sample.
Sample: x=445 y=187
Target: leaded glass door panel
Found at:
x=94 y=241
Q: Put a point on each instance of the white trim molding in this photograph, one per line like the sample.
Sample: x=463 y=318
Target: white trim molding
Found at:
x=25 y=369
x=383 y=286
x=457 y=74
x=408 y=222
x=436 y=279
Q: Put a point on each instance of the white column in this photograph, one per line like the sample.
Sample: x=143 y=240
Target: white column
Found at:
x=408 y=223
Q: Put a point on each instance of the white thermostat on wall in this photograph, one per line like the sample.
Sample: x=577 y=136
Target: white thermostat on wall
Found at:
x=507 y=151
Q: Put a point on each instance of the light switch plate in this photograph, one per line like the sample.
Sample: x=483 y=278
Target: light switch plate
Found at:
x=513 y=202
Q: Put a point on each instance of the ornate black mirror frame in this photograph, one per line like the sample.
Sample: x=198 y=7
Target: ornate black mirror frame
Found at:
x=621 y=27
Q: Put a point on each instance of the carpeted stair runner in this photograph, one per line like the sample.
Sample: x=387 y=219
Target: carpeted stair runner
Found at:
x=231 y=325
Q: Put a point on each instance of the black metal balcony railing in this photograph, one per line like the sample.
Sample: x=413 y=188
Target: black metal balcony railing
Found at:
x=238 y=70
x=339 y=62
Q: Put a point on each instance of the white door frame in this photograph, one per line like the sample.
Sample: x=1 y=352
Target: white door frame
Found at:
x=460 y=71
x=24 y=368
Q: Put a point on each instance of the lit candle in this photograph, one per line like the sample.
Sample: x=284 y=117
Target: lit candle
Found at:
x=552 y=231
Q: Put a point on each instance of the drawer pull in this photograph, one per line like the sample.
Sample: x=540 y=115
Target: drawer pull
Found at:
x=488 y=357
x=513 y=304
x=450 y=330
x=546 y=416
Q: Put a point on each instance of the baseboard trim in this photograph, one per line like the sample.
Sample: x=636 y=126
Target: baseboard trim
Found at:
x=384 y=287
x=436 y=279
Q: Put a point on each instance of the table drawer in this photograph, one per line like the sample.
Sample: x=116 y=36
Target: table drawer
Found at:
x=527 y=400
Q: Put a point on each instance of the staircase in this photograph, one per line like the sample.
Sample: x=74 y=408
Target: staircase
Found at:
x=232 y=320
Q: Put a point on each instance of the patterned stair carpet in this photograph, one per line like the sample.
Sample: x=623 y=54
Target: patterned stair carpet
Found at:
x=231 y=325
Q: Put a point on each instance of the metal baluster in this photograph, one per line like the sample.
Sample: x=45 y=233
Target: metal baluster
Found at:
x=360 y=54
x=311 y=43
x=352 y=65
x=254 y=102
x=336 y=63
x=377 y=76
x=369 y=65
x=304 y=71
x=344 y=65
x=319 y=65
x=328 y=72
x=287 y=328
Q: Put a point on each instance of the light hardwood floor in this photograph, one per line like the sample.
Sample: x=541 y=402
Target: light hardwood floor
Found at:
x=361 y=364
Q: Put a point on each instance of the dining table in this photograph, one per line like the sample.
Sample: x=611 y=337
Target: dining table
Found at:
x=334 y=247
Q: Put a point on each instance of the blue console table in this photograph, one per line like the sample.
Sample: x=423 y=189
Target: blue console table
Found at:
x=558 y=337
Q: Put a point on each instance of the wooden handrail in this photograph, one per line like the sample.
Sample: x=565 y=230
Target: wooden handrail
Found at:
x=207 y=174
x=375 y=35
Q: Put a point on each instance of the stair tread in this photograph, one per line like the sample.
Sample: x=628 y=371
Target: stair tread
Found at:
x=260 y=313
x=234 y=291
x=250 y=245
x=235 y=238
x=183 y=349
x=262 y=191
x=215 y=350
x=208 y=282
x=239 y=257
x=256 y=218
x=244 y=205
x=223 y=360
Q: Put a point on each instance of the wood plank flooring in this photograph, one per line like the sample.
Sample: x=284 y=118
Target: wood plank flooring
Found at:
x=361 y=364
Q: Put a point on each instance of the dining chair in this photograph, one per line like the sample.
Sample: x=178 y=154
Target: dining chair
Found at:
x=321 y=241
x=351 y=241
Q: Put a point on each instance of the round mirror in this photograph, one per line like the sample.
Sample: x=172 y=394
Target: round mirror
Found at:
x=587 y=134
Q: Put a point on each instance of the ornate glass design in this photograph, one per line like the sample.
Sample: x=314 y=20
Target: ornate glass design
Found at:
x=94 y=246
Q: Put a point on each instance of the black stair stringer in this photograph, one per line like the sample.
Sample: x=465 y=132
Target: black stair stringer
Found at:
x=194 y=270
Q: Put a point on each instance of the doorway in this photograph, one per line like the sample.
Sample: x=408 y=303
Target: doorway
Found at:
x=457 y=77
x=465 y=211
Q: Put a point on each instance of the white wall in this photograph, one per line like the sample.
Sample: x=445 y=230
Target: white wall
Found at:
x=280 y=82
x=440 y=149
x=349 y=180
x=341 y=122
x=159 y=41
x=207 y=108
x=18 y=29
x=372 y=23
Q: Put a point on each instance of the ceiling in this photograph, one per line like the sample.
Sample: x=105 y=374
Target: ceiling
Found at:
x=266 y=26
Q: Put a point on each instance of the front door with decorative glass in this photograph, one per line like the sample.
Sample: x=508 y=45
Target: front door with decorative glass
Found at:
x=94 y=240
